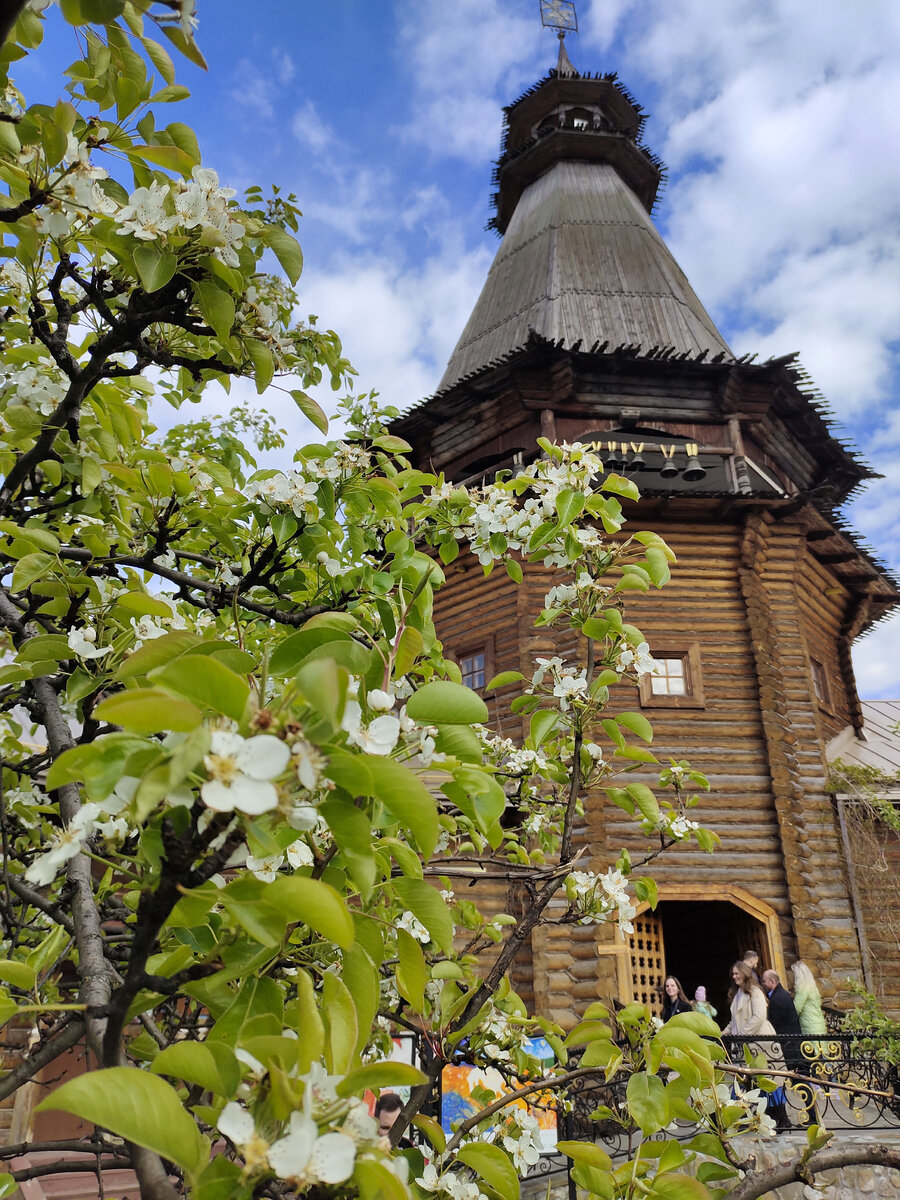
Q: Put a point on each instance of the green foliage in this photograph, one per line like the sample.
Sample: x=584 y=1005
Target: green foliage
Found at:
x=239 y=775
x=875 y=1032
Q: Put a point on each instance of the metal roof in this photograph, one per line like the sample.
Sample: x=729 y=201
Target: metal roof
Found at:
x=881 y=746
x=582 y=262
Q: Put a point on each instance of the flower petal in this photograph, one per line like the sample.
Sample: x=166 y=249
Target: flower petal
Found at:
x=332 y=1158
x=263 y=756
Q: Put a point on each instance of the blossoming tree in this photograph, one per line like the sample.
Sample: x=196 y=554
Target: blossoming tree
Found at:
x=237 y=770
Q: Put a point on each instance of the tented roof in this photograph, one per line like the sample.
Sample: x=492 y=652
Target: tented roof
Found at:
x=582 y=262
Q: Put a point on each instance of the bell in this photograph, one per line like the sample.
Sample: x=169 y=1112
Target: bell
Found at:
x=669 y=470
x=693 y=472
x=612 y=461
x=637 y=463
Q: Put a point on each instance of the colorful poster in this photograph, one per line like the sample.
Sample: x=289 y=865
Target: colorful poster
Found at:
x=459 y=1082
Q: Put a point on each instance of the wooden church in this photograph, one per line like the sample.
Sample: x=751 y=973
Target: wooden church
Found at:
x=587 y=330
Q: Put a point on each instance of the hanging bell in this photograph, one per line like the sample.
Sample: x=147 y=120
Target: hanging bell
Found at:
x=637 y=463
x=669 y=470
x=612 y=461
x=693 y=472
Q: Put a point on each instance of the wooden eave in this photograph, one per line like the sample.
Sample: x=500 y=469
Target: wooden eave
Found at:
x=528 y=108
x=516 y=171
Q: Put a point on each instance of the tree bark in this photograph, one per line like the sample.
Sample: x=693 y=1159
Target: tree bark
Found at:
x=760 y=1183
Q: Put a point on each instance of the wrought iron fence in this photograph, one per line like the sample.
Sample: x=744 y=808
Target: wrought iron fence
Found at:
x=839 y=1086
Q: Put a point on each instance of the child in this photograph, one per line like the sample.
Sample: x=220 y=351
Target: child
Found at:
x=701 y=1004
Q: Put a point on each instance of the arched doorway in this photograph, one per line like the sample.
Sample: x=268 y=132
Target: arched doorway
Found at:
x=696 y=935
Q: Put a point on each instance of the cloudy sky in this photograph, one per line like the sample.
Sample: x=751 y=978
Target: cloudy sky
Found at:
x=779 y=121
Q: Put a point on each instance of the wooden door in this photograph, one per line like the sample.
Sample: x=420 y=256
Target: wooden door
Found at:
x=648 y=961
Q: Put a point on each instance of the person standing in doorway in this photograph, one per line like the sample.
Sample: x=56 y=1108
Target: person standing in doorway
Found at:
x=751 y=958
x=750 y=1018
x=674 y=998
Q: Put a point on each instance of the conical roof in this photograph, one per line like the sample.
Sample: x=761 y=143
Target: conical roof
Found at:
x=582 y=262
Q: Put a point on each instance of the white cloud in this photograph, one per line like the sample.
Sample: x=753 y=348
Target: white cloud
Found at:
x=875 y=659
x=398 y=324
x=466 y=60
x=310 y=130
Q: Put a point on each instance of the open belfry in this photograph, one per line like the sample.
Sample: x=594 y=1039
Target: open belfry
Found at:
x=587 y=331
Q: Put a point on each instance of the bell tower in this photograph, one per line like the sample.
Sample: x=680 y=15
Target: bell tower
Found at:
x=587 y=330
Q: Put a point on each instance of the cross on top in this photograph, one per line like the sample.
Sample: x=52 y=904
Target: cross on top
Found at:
x=559 y=14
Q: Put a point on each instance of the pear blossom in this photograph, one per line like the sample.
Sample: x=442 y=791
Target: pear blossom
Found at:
x=308 y=763
x=413 y=926
x=82 y=642
x=265 y=868
x=304 y=1157
x=64 y=845
x=299 y=855
x=380 y=700
x=145 y=215
x=238 y=1125
x=240 y=770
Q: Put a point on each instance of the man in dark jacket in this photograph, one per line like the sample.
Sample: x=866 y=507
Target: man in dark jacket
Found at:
x=782 y=1013
x=786 y=1024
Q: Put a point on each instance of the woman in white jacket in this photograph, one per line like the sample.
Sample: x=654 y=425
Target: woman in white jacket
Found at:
x=750 y=1018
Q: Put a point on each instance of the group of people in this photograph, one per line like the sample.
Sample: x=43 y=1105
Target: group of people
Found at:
x=760 y=1006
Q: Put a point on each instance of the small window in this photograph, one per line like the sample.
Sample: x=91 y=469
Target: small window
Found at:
x=473 y=668
x=675 y=680
x=668 y=677
x=820 y=682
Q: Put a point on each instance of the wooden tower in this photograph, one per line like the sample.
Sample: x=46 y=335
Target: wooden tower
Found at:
x=587 y=330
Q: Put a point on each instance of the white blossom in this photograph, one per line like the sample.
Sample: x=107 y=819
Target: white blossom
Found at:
x=240 y=770
x=82 y=642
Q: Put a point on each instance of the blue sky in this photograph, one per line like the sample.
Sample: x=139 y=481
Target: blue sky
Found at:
x=779 y=121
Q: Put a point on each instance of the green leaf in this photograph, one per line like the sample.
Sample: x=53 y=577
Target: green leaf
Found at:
x=586 y=1152
x=287 y=251
x=160 y=59
x=408 y=649
x=637 y=723
x=445 y=703
x=144 y=604
x=429 y=906
x=217 y=307
x=137 y=1106
x=170 y=158
x=646 y=802
x=207 y=682
x=678 y=1187
x=19 y=974
x=407 y=799
x=315 y=903
x=380 y=1075
x=376 y=1181
x=185 y=44
x=352 y=831
x=569 y=505
x=212 y=1065
x=170 y=94
x=621 y=486
x=341 y=1027
x=543 y=722
x=28 y=569
x=149 y=710
x=494 y=1167
x=263 y=362
x=412 y=974
x=154 y=267
x=311 y=410
x=156 y=653
x=504 y=678
x=646 y=1097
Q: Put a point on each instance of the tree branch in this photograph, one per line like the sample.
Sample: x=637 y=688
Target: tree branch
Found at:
x=67 y=1037
x=760 y=1183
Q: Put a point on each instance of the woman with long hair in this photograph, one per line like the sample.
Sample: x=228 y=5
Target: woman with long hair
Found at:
x=808 y=1001
x=674 y=998
x=750 y=1018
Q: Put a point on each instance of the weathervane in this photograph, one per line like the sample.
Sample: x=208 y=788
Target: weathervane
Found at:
x=559 y=15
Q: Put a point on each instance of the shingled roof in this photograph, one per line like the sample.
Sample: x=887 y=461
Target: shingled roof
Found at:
x=582 y=262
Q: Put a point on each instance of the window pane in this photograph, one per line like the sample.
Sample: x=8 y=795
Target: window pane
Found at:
x=472 y=669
